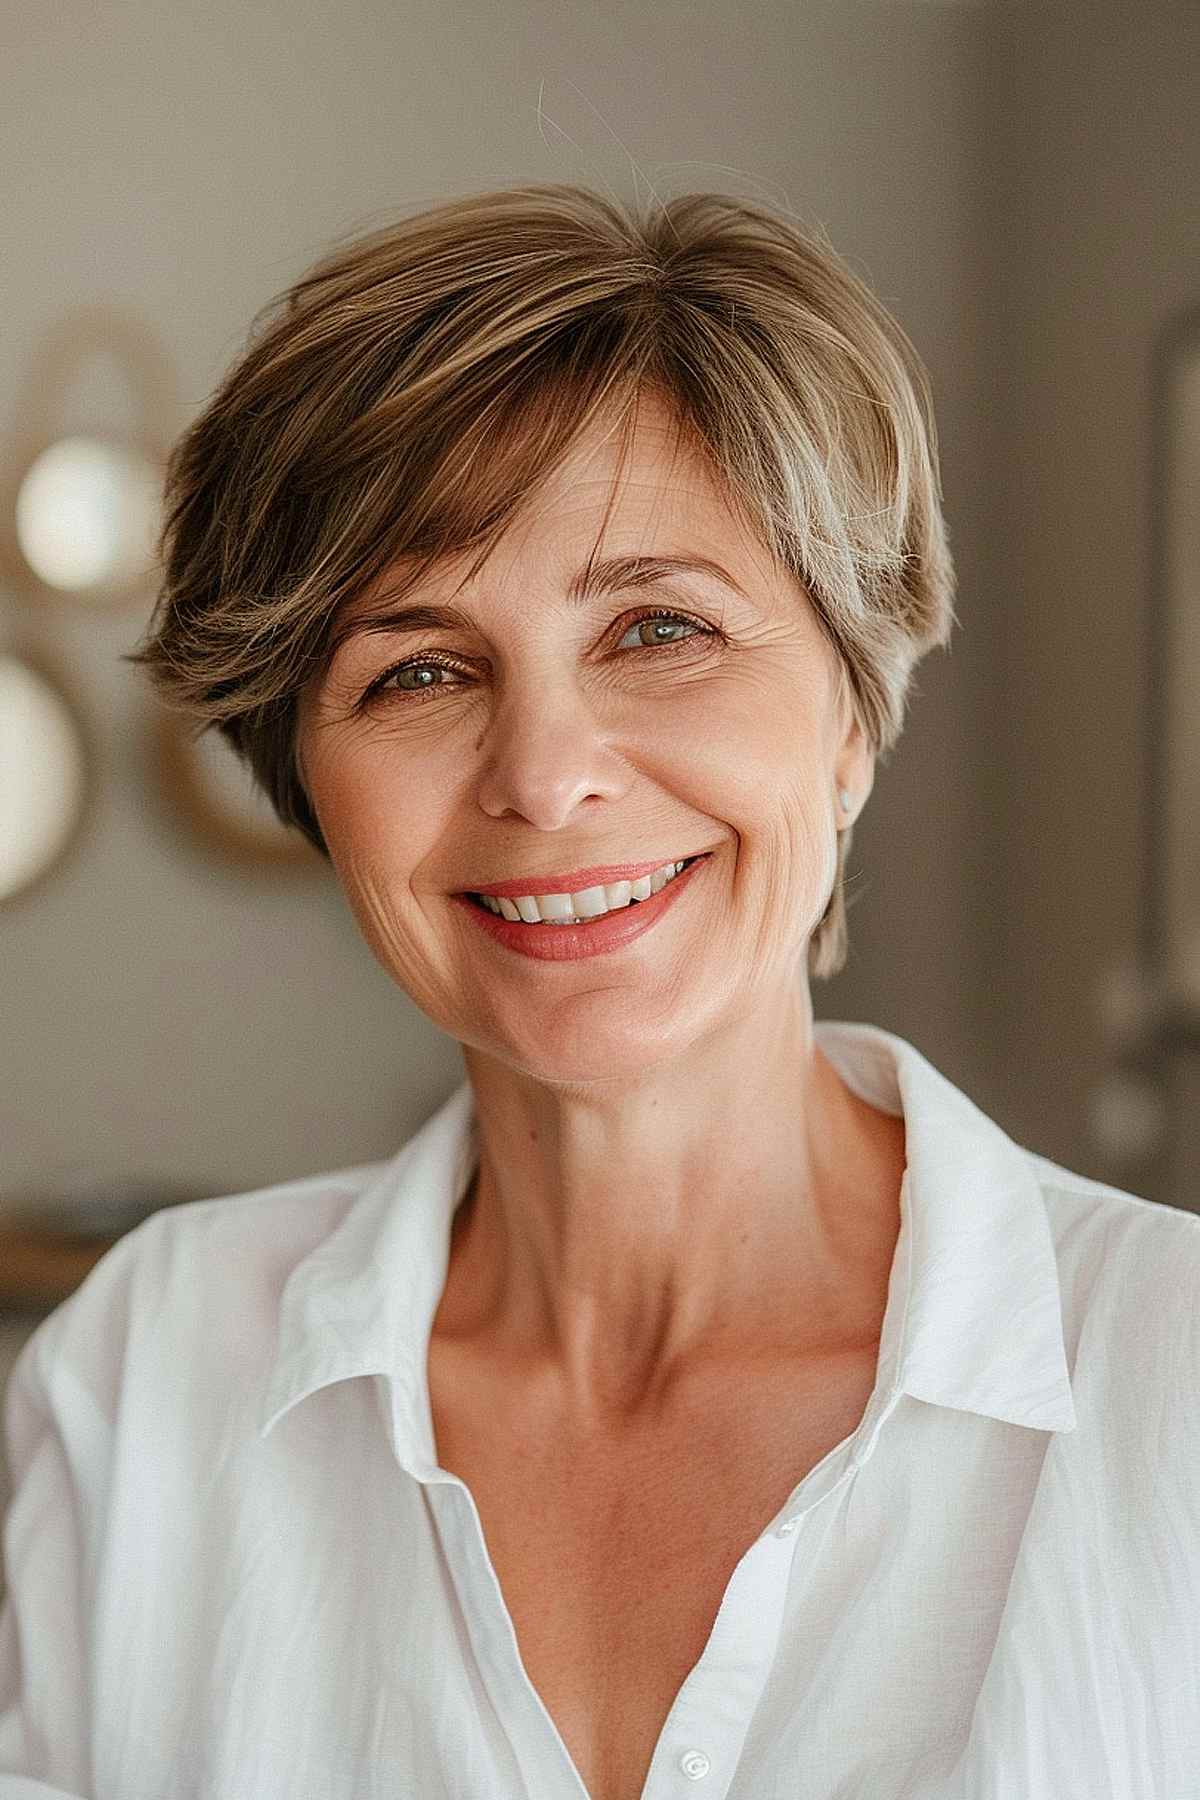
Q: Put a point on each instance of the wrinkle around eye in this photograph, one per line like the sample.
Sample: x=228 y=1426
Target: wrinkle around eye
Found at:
x=700 y=638
x=364 y=696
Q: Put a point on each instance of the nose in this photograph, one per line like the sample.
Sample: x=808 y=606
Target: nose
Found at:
x=546 y=750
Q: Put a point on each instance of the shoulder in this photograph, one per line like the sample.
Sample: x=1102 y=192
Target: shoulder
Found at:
x=202 y=1274
x=1104 y=1229
x=1129 y=1278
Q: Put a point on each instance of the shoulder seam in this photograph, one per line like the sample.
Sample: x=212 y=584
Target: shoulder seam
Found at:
x=1082 y=1186
x=341 y=1182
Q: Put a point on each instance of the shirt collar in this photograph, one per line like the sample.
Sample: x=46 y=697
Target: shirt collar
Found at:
x=974 y=1311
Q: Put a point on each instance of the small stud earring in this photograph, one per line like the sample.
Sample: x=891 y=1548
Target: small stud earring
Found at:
x=843 y=800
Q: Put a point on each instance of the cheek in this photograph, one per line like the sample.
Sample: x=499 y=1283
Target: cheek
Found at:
x=759 y=767
x=375 y=904
x=391 y=921
x=383 y=815
x=757 y=759
x=364 y=807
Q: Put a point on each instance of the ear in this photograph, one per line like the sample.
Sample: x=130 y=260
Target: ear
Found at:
x=854 y=769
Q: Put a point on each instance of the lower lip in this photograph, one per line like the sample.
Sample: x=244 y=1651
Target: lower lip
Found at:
x=594 y=937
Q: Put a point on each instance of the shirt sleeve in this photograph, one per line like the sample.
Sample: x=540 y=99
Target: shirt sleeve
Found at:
x=56 y=1446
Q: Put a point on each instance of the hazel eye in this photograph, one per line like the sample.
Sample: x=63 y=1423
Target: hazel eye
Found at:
x=417 y=669
x=390 y=681
x=426 y=671
x=663 y=621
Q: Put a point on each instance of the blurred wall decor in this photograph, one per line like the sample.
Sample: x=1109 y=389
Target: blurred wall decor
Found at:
x=78 y=521
x=46 y=768
x=79 y=513
x=204 y=781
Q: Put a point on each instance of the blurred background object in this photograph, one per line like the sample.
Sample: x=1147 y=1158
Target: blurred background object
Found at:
x=211 y=791
x=187 y=1004
x=48 y=1242
x=80 y=510
x=43 y=772
x=85 y=515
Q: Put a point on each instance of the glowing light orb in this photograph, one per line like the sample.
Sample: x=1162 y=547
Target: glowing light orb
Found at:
x=88 y=515
x=42 y=775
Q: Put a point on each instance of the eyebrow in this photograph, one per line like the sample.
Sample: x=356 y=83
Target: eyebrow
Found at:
x=597 y=578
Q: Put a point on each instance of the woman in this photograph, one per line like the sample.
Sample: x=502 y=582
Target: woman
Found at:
x=706 y=1399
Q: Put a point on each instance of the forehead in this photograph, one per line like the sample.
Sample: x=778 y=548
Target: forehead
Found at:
x=639 y=486
x=634 y=482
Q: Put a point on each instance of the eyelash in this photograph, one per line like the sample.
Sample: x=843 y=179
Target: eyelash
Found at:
x=427 y=662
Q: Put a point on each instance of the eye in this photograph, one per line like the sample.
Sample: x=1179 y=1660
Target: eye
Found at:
x=663 y=620
x=390 y=681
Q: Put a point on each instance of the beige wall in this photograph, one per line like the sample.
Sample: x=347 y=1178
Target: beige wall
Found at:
x=1091 y=243
x=170 y=1019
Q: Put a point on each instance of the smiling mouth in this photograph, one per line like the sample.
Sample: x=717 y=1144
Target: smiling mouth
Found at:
x=494 y=909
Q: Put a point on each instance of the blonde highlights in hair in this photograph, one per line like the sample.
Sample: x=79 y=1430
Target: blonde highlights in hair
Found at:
x=406 y=397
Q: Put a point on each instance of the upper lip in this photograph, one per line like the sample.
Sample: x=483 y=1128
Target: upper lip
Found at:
x=576 y=879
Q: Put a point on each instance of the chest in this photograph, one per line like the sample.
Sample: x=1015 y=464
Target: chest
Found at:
x=614 y=1554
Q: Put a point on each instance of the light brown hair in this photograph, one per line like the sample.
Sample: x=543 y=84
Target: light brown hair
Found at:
x=409 y=393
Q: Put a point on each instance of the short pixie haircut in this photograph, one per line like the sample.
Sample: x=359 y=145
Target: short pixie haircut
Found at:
x=408 y=395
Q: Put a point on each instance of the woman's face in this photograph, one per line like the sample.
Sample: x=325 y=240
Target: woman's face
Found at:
x=547 y=733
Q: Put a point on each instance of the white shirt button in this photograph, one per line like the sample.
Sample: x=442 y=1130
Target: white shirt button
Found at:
x=694 y=1764
x=787 y=1528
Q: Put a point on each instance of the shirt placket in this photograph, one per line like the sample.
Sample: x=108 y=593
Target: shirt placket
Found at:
x=700 y=1746
x=698 y=1749
x=701 y=1742
x=536 y=1743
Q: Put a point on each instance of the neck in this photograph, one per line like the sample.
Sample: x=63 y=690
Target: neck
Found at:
x=736 y=1201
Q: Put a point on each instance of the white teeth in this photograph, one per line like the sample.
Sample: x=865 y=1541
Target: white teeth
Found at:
x=588 y=903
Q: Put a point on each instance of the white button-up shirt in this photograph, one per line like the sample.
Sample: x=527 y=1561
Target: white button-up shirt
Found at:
x=237 y=1572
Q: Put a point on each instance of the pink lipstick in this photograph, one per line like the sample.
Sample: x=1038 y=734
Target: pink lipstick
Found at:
x=591 y=937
